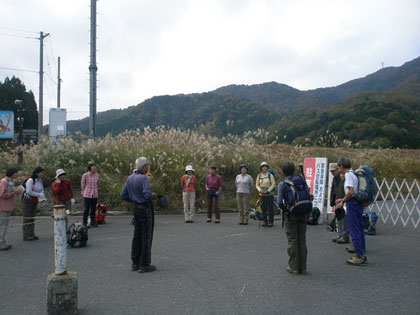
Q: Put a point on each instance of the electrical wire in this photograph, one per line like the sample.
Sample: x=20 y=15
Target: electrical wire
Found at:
x=14 y=69
x=19 y=36
x=17 y=30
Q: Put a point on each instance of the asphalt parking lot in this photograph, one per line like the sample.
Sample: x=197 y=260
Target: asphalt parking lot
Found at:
x=204 y=268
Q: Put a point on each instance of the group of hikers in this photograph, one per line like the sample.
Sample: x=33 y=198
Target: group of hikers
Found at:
x=31 y=192
x=292 y=198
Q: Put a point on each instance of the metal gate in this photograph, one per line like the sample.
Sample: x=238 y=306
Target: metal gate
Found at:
x=396 y=202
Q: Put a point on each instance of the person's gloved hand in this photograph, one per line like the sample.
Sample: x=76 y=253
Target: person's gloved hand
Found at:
x=73 y=201
x=67 y=212
x=58 y=180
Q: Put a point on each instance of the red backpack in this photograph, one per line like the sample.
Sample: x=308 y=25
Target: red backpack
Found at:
x=100 y=213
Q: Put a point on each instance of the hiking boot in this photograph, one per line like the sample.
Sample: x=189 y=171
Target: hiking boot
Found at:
x=335 y=240
x=35 y=237
x=293 y=272
x=208 y=220
x=240 y=223
x=134 y=267
x=186 y=221
x=245 y=223
x=303 y=272
x=149 y=268
x=29 y=238
x=342 y=241
x=350 y=249
x=357 y=260
x=217 y=221
x=5 y=247
x=191 y=221
x=270 y=225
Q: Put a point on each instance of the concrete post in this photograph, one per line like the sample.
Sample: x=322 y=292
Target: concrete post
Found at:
x=62 y=286
x=60 y=243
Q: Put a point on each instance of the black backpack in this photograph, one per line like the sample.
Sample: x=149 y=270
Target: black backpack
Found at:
x=77 y=235
x=296 y=194
x=314 y=217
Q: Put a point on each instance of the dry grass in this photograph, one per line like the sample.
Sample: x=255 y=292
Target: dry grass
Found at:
x=169 y=150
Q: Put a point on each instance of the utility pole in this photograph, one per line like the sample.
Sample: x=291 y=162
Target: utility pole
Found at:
x=92 y=70
x=20 y=113
x=41 y=82
x=58 y=83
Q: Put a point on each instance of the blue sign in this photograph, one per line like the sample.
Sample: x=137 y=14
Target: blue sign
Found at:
x=7 y=124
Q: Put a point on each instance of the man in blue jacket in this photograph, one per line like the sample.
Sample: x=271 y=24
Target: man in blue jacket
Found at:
x=137 y=190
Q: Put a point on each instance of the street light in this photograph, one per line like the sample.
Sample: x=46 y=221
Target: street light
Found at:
x=20 y=113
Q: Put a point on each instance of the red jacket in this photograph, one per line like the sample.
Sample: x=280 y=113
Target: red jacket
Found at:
x=63 y=191
x=191 y=186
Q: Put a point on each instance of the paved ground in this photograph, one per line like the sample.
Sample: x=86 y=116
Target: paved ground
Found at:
x=217 y=269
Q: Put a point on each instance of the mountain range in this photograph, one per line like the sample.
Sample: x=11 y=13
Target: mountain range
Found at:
x=381 y=109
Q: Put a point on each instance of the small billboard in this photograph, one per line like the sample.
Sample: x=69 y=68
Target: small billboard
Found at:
x=7 y=124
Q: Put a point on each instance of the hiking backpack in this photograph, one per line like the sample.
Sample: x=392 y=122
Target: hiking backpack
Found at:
x=367 y=187
x=297 y=196
x=314 y=215
x=77 y=235
x=22 y=186
x=100 y=213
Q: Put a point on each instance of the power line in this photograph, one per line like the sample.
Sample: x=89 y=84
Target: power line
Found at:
x=19 y=36
x=14 y=69
x=17 y=30
x=49 y=39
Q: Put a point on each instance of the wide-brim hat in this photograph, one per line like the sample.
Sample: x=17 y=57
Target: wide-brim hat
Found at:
x=264 y=164
x=333 y=167
x=59 y=172
x=189 y=168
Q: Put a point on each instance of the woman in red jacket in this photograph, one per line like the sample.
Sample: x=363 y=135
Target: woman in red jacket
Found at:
x=188 y=183
x=63 y=190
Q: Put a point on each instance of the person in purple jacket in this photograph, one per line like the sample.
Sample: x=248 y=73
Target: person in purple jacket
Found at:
x=213 y=189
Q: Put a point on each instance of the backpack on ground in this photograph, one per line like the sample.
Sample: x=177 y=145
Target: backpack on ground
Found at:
x=369 y=222
x=100 y=213
x=77 y=235
x=314 y=215
x=367 y=189
x=296 y=195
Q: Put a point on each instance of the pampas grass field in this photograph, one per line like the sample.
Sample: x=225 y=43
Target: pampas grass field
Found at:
x=170 y=150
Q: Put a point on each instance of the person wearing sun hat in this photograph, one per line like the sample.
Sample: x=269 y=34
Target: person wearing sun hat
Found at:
x=243 y=183
x=188 y=183
x=265 y=185
x=62 y=190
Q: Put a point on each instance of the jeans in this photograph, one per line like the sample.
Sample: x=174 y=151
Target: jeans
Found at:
x=141 y=246
x=356 y=227
x=90 y=207
x=343 y=229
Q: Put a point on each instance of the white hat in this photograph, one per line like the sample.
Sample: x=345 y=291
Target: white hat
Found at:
x=59 y=172
x=264 y=164
x=189 y=168
x=140 y=162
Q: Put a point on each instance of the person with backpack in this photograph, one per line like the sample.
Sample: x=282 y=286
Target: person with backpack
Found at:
x=62 y=190
x=188 y=183
x=34 y=193
x=354 y=210
x=244 y=183
x=137 y=190
x=266 y=185
x=295 y=202
x=89 y=185
x=7 y=193
x=213 y=188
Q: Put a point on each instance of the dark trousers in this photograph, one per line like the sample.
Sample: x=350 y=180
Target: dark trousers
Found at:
x=267 y=203
x=141 y=246
x=90 y=207
x=295 y=226
x=28 y=211
x=213 y=204
x=355 y=223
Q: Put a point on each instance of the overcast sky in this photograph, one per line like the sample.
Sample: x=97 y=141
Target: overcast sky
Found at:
x=149 y=48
